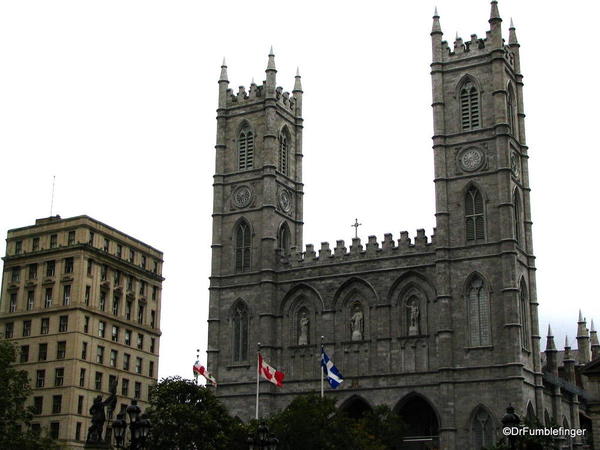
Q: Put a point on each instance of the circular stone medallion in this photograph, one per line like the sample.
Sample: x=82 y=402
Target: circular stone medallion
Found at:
x=471 y=159
x=285 y=200
x=242 y=196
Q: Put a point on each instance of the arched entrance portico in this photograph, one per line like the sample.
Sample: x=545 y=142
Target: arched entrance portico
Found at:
x=355 y=407
x=422 y=424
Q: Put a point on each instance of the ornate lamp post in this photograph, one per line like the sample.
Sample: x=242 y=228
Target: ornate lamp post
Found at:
x=262 y=440
x=139 y=426
x=511 y=420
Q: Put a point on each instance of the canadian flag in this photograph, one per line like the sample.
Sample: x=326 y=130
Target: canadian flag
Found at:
x=270 y=374
x=199 y=369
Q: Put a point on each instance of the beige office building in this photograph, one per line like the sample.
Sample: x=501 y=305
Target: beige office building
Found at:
x=81 y=300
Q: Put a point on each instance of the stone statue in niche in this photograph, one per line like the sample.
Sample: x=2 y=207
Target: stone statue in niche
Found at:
x=303 y=326
x=413 y=318
x=357 y=323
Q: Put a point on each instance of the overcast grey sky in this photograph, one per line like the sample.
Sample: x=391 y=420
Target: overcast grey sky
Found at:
x=118 y=98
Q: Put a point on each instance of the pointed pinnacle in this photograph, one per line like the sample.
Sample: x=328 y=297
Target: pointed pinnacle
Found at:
x=436 y=28
x=592 y=328
x=271 y=64
x=297 y=71
x=435 y=13
x=495 y=14
x=580 y=317
x=550 y=331
x=512 y=34
x=512 y=25
x=567 y=341
x=456 y=38
x=298 y=81
x=252 y=82
x=223 y=76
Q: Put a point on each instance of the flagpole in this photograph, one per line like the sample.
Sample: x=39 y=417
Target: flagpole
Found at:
x=197 y=359
x=257 y=377
x=321 y=365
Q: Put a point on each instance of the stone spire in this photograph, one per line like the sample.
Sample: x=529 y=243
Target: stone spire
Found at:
x=512 y=34
x=495 y=26
x=583 y=341
x=271 y=75
x=223 y=85
x=569 y=362
x=551 y=360
x=297 y=93
x=594 y=342
x=436 y=28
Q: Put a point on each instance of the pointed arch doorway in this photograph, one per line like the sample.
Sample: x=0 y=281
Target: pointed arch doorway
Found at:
x=422 y=424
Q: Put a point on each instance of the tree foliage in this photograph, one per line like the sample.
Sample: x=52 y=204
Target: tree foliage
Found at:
x=310 y=422
x=15 y=417
x=187 y=416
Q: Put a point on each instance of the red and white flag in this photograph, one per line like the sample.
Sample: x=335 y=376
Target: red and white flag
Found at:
x=270 y=374
x=200 y=370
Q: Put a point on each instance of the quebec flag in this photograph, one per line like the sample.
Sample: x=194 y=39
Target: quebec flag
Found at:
x=334 y=377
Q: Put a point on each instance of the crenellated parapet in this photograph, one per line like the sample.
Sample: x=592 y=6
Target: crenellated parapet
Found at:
x=372 y=249
x=257 y=93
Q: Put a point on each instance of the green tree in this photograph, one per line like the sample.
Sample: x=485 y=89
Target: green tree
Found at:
x=310 y=422
x=15 y=417
x=187 y=416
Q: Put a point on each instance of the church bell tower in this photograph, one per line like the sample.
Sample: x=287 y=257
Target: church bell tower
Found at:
x=257 y=212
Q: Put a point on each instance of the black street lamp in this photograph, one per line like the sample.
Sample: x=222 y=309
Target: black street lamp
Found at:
x=139 y=426
x=509 y=421
x=262 y=440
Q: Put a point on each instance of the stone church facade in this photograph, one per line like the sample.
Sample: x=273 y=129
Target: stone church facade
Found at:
x=443 y=329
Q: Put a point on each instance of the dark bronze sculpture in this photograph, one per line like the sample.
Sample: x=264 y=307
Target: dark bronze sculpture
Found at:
x=95 y=430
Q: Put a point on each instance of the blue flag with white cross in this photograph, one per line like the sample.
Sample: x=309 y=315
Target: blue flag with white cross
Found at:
x=334 y=377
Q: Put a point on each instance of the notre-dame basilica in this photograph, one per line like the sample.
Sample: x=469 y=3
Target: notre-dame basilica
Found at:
x=442 y=328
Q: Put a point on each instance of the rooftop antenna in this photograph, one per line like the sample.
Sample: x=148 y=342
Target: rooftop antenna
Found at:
x=52 y=201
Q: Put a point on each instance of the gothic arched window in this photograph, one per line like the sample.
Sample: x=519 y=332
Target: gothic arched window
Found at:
x=510 y=111
x=478 y=305
x=240 y=332
x=517 y=218
x=283 y=153
x=284 y=239
x=469 y=106
x=242 y=247
x=245 y=149
x=474 y=218
x=482 y=429
x=524 y=315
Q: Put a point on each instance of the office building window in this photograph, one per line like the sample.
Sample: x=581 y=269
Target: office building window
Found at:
x=61 y=350
x=50 y=268
x=33 y=268
x=26 y=328
x=30 y=300
x=56 y=404
x=71 y=238
x=130 y=283
x=101 y=328
x=152 y=344
x=38 y=405
x=53 y=240
x=126 y=359
x=42 y=352
x=103 y=272
x=9 y=328
x=54 y=430
x=91 y=238
x=84 y=346
x=68 y=265
x=24 y=356
x=16 y=275
x=140 y=316
x=115 y=305
x=100 y=354
x=151 y=369
x=59 y=376
x=63 y=324
x=117 y=277
x=48 y=298
x=98 y=383
x=138 y=365
x=35 y=245
x=143 y=262
x=82 y=377
x=119 y=250
x=113 y=358
x=128 y=306
x=90 y=265
x=125 y=387
x=154 y=292
x=86 y=298
x=127 y=337
x=45 y=327
x=102 y=302
x=115 y=333
x=12 y=303
x=140 y=341
x=18 y=247
x=106 y=245
x=131 y=255
x=155 y=266
x=86 y=324
x=80 y=404
x=138 y=390
x=153 y=319
x=78 y=431
x=142 y=287
x=40 y=378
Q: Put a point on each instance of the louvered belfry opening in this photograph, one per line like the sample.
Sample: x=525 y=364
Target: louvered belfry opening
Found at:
x=474 y=215
x=469 y=106
x=283 y=154
x=240 y=333
x=246 y=149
